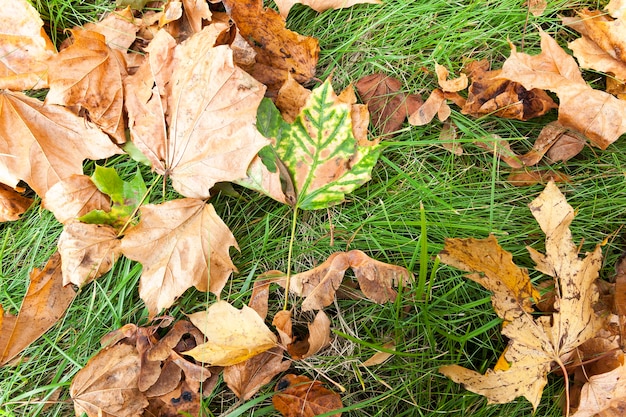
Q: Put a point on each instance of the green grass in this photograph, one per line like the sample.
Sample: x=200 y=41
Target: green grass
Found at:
x=462 y=196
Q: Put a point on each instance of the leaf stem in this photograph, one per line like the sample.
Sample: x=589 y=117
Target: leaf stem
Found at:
x=134 y=213
x=291 y=240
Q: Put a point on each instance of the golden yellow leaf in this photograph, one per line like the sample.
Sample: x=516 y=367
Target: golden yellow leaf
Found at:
x=233 y=335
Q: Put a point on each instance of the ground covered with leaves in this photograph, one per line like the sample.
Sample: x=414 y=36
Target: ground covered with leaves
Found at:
x=236 y=208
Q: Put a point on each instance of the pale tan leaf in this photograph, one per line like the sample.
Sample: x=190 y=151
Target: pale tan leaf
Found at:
x=233 y=335
x=196 y=11
x=376 y=278
x=380 y=357
x=107 y=385
x=590 y=55
x=24 y=47
x=44 y=304
x=119 y=28
x=12 y=204
x=179 y=243
x=74 y=197
x=88 y=251
x=604 y=395
x=45 y=144
x=246 y=378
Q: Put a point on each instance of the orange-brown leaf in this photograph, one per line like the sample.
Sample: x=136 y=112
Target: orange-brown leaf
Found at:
x=377 y=279
x=246 y=378
x=44 y=304
x=300 y=347
x=298 y=396
x=12 y=204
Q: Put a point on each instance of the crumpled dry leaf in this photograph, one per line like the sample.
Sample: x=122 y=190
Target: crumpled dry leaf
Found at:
x=74 y=197
x=44 y=304
x=279 y=51
x=12 y=204
x=596 y=114
x=246 y=378
x=375 y=278
x=192 y=112
x=300 y=347
x=107 y=385
x=45 y=144
x=24 y=47
x=319 y=5
x=298 y=396
x=88 y=251
x=233 y=335
x=388 y=107
x=179 y=243
x=534 y=342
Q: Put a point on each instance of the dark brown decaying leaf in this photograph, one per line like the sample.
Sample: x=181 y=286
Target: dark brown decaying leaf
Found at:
x=388 y=107
x=298 y=396
x=107 y=385
x=246 y=378
x=279 y=51
x=74 y=197
x=42 y=145
x=44 y=304
x=12 y=204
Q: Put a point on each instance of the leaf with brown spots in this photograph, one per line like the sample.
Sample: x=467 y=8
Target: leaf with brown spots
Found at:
x=535 y=342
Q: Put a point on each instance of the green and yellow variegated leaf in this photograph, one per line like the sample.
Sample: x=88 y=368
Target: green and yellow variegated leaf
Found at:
x=319 y=149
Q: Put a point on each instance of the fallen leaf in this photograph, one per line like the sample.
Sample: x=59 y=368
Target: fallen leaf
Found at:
x=526 y=178
x=535 y=342
x=489 y=94
x=452 y=86
x=431 y=107
x=24 y=48
x=119 y=29
x=233 y=335
x=107 y=385
x=448 y=138
x=279 y=51
x=88 y=251
x=388 y=107
x=567 y=146
x=325 y=152
x=302 y=346
x=74 y=197
x=193 y=113
x=246 y=378
x=185 y=400
x=45 y=144
x=260 y=297
x=380 y=357
x=12 y=204
x=291 y=98
x=298 y=396
x=180 y=243
x=596 y=114
x=43 y=305
x=77 y=76
x=319 y=5
x=196 y=11
x=536 y=7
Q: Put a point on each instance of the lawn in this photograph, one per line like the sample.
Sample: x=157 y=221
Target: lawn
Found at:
x=419 y=195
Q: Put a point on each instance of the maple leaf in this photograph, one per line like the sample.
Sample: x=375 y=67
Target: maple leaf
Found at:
x=43 y=144
x=12 y=204
x=74 y=197
x=596 y=114
x=77 y=76
x=534 y=343
x=298 y=396
x=279 y=51
x=180 y=243
x=604 y=394
x=192 y=112
x=233 y=335
x=119 y=28
x=43 y=305
x=319 y=5
x=24 y=47
x=107 y=385
x=324 y=150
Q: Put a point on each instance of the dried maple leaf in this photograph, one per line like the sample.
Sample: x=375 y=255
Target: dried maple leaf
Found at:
x=24 y=47
x=119 y=28
x=180 y=243
x=388 y=107
x=44 y=304
x=73 y=197
x=192 y=112
x=246 y=378
x=279 y=51
x=319 y=5
x=12 y=204
x=107 y=385
x=596 y=114
x=534 y=342
x=298 y=396
x=233 y=335
x=43 y=144
x=300 y=347
x=325 y=150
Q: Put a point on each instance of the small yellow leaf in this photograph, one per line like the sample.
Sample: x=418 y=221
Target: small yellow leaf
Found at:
x=380 y=357
x=233 y=335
